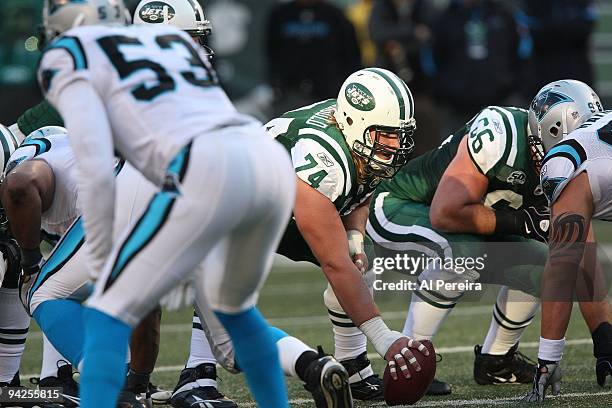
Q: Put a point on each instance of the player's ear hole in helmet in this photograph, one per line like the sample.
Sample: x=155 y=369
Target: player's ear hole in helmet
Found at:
x=375 y=112
x=186 y=15
x=62 y=15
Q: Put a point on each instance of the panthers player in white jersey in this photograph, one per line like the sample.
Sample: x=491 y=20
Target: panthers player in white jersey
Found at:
x=148 y=93
x=568 y=118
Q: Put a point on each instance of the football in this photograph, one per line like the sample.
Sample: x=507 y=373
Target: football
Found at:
x=409 y=391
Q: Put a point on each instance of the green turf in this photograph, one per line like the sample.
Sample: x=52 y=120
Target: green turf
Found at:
x=293 y=293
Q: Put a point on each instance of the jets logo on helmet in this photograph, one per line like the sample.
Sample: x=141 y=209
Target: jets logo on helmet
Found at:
x=360 y=97
x=186 y=15
x=375 y=112
x=156 y=12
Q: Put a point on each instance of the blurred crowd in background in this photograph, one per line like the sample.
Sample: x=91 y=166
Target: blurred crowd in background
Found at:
x=272 y=56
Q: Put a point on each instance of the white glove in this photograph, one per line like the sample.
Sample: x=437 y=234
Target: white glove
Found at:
x=356 y=249
x=547 y=375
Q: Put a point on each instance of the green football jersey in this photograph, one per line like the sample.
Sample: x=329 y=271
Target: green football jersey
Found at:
x=320 y=154
x=39 y=116
x=498 y=146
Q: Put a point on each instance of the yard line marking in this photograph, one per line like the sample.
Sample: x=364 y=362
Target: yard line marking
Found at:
x=446 y=403
x=464 y=349
x=441 y=350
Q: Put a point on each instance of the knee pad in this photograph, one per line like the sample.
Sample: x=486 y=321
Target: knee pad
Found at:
x=330 y=300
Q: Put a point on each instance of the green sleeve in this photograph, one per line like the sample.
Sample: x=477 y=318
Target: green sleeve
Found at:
x=39 y=116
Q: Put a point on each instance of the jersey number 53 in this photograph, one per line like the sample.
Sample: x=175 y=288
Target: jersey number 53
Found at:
x=165 y=82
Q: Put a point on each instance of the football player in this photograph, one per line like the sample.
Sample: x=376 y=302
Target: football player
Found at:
x=341 y=149
x=149 y=93
x=568 y=118
x=480 y=186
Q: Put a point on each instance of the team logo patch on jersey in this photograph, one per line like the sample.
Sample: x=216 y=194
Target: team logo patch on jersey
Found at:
x=516 y=177
x=498 y=127
x=154 y=12
x=359 y=97
x=550 y=184
x=326 y=160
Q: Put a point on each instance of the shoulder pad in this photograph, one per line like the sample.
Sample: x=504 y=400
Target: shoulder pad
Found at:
x=559 y=167
x=318 y=168
x=490 y=140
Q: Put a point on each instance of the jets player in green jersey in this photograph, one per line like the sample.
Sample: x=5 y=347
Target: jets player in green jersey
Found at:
x=341 y=149
x=479 y=186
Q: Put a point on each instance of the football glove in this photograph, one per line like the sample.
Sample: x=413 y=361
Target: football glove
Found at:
x=547 y=375
x=535 y=223
x=603 y=368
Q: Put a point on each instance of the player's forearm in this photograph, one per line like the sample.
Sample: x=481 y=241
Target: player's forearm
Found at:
x=351 y=291
x=91 y=139
x=470 y=219
x=358 y=218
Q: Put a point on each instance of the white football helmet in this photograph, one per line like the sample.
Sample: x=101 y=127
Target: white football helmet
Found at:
x=187 y=15
x=9 y=144
x=62 y=15
x=371 y=102
x=559 y=108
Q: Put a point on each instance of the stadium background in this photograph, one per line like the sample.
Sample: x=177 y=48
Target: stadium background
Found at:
x=292 y=298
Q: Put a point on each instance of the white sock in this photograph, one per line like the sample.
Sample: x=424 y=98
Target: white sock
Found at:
x=551 y=350
x=289 y=350
x=51 y=360
x=512 y=313
x=14 y=325
x=199 y=352
x=424 y=319
x=349 y=341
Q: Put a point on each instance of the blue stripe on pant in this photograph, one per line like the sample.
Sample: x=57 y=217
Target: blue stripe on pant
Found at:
x=65 y=249
x=153 y=218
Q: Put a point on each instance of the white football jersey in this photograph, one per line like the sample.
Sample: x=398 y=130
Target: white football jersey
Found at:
x=56 y=151
x=587 y=149
x=158 y=89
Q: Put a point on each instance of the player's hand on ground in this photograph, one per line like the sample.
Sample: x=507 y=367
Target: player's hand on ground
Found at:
x=536 y=223
x=547 y=375
x=361 y=262
x=401 y=353
x=603 y=368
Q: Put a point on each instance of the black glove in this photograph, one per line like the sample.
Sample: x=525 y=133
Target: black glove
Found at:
x=12 y=255
x=530 y=222
x=536 y=223
x=603 y=368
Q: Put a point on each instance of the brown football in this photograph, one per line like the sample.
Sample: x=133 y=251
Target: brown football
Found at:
x=409 y=391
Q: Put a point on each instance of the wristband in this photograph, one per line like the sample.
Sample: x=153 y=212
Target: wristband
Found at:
x=379 y=334
x=508 y=222
x=355 y=242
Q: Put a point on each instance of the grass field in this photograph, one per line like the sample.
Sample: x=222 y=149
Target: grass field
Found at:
x=292 y=300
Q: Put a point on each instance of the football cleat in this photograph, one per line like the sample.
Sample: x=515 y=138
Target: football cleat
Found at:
x=328 y=382
x=197 y=388
x=548 y=374
x=16 y=383
x=368 y=387
x=510 y=368
x=65 y=381
x=130 y=399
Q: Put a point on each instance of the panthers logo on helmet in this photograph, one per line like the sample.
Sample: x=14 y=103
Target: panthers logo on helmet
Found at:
x=360 y=97
x=546 y=101
x=154 y=12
